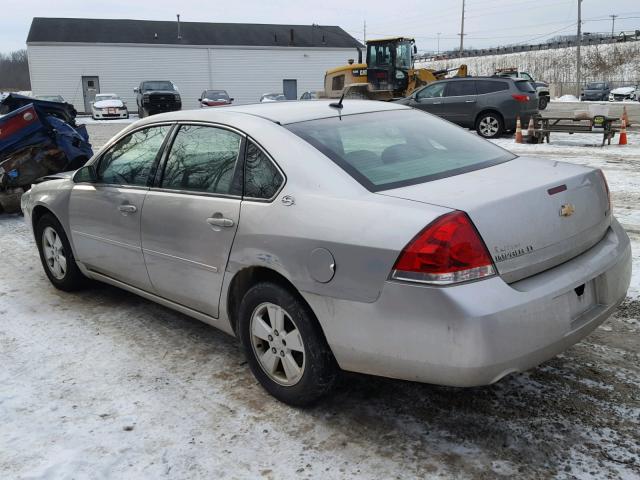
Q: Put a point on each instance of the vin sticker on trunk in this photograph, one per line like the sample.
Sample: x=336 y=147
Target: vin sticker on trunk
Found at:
x=513 y=251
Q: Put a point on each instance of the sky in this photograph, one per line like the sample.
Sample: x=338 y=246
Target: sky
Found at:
x=487 y=22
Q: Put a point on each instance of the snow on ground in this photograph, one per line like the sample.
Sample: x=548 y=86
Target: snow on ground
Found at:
x=104 y=384
x=567 y=98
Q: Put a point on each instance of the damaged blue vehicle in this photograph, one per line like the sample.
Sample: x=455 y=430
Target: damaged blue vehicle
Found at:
x=37 y=138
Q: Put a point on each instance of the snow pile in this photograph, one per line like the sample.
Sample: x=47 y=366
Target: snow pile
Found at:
x=567 y=98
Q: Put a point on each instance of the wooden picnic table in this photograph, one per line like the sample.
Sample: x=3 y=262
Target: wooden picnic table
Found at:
x=545 y=125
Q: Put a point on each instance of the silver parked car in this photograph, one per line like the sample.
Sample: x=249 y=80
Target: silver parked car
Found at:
x=363 y=236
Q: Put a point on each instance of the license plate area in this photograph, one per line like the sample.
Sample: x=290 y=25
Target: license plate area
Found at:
x=112 y=111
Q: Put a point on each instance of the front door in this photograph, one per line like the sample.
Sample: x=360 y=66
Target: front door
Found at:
x=90 y=87
x=104 y=215
x=429 y=98
x=290 y=89
x=189 y=221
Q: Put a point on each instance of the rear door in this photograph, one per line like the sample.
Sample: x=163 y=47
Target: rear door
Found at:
x=105 y=215
x=460 y=102
x=429 y=98
x=190 y=216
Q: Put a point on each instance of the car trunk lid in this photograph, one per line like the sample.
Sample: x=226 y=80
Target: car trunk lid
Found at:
x=533 y=214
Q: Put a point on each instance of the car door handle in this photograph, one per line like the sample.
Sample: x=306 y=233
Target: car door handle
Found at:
x=220 y=222
x=469 y=101
x=128 y=208
x=436 y=103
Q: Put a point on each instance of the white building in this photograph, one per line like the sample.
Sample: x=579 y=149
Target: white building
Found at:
x=77 y=58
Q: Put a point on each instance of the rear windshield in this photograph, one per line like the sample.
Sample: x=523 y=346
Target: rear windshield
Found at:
x=385 y=150
x=525 y=86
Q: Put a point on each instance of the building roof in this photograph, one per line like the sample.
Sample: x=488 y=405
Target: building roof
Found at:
x=91 y=30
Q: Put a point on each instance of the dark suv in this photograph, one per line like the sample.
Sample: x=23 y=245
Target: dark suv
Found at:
x=489 y=105
x=595 y=91
x=157 y=96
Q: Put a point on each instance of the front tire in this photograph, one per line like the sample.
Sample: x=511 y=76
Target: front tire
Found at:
x=285 y=346
x=56 y=255
x=490 y=125
x=544 y=101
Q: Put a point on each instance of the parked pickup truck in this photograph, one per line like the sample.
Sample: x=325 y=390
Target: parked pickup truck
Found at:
x=542 y=88
x=157 y=96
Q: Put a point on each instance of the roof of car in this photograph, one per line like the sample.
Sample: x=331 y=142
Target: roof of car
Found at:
x=282 y=112
x=102 y=30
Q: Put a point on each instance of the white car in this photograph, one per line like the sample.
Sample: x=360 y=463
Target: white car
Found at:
x=108 y=105
x=623 y=93
x=272 y=97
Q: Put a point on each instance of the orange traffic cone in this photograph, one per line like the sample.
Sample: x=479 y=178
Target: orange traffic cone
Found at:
x=530 y=129
x=623 y=133
x=518 y=130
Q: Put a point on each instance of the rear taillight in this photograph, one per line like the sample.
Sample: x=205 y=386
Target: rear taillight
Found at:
x=606 y=186
x=520 y=98
x=447 y=251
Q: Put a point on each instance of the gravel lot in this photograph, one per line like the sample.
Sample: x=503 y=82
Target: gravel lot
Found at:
x=103 y=384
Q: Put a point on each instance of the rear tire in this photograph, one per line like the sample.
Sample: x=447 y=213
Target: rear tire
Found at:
x=285 y=346
x=56 y=255
x=490 y=125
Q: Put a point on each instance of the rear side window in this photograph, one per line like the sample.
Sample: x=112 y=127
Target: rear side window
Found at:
x=490 y=86
x=526 y=87
x=132 y=160
x=261 y=177
x=384 y=150
x=461 y=88
x=202 y=159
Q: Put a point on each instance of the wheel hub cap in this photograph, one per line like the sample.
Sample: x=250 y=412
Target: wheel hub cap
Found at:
x=277 y=344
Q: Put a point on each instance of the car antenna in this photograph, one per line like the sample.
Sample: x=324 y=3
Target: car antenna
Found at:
x=338 y=104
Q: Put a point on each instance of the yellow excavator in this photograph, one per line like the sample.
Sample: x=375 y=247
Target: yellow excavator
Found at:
x=388 y=72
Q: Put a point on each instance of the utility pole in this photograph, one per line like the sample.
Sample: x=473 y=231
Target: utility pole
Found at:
x=364 y=32
x=439 y=33
x=462 y=31
x=613 y=23
x=578 y=59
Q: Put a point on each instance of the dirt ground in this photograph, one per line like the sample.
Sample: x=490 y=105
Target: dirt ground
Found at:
x=104 y=384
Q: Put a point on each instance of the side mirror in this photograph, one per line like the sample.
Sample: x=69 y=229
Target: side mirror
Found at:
x=86 y=174
x=415 y=50
x=231 y=99
x=199 y=99
x=136 y=90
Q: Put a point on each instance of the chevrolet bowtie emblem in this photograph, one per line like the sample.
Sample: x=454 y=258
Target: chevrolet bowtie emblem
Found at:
x=567 y=210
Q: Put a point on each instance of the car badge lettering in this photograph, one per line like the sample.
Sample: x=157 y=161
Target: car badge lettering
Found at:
x=567 y=210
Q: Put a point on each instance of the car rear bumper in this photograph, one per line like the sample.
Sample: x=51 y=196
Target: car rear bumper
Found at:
x=476 y=333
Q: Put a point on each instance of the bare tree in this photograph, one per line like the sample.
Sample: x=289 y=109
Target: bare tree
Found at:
x=14 y=71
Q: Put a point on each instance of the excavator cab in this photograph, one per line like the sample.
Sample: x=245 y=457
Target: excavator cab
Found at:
x=389 y=64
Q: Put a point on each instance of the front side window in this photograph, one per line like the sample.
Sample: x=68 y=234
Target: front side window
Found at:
x=435 y=90
x=337 y=83
x=131 y=161
x=408 y=147
x=261 y=177
x=461 y=88
x=202 y=159
x=379 y=55
x=403 y=56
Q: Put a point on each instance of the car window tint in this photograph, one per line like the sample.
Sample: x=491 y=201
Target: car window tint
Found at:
x=261 y=177
x=202 y=159
x=461 y=88
x=408 y=147
x=524 y=86
x=490 y=86
x=432 y=91
x=131 y=160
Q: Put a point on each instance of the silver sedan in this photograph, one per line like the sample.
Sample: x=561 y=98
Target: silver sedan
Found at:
x=363 y=236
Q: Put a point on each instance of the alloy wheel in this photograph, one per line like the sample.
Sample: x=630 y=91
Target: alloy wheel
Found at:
x=489 y=126
x=277 y=344
x=54 y=253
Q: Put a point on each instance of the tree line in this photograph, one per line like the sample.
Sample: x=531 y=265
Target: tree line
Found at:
x=14 y=71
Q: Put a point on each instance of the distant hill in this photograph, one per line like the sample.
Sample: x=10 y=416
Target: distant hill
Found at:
x=616 y=62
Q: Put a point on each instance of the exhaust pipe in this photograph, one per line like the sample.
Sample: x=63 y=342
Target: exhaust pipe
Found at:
x=179 y=33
